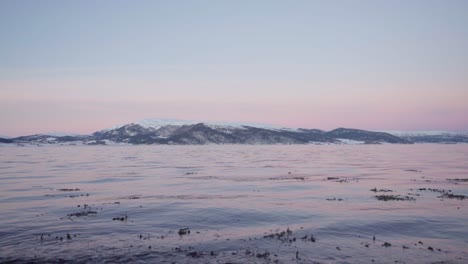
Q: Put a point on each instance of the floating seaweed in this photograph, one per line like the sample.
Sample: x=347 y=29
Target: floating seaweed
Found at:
x=386 y=198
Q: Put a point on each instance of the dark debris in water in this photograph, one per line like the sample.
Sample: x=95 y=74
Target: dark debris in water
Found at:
x=184 y=231
x=81 y=195
x=334 y=199
x=380 y=190
x=386 y=198
x=445 y=193
x=286 y=236
x=336 y=179
x=458 y=180
x=307 y=238
x=247 y=255
x=283 y=235
x=301 y=178
x=120 y=218
x=263 y=255
x=69 y=190
x=195 y=254
x=453 y=196
x=413 y=170
x=82 y=213
x=131 y=197
x=386 y=244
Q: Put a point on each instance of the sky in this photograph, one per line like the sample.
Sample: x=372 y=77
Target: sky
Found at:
x=82 y=66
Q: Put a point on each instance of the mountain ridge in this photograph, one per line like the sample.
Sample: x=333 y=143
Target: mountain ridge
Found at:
x=189 y=132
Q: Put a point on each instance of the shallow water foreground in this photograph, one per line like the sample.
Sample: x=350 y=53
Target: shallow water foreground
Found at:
x=237 y=204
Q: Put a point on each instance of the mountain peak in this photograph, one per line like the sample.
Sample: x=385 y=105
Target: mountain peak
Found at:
x=160 y=122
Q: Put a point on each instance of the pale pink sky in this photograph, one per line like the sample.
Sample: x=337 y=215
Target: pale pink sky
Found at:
x=86 y=104
x=377 y=65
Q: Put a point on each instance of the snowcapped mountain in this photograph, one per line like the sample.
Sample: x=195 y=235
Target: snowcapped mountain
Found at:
x=185 y=132
x=188 y=132
x=165 y=131
x=156 y=123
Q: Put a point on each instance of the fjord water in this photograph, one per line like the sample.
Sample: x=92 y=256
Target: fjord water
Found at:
x=242 y=204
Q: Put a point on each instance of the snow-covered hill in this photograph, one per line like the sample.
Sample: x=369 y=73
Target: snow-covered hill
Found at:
x=442 y=137
x=189 y=132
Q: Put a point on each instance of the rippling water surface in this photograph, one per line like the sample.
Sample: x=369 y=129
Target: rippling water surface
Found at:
x=241 y=204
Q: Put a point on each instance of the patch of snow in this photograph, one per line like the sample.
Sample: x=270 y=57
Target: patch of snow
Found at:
x=350 y=142
x=343 y=131
x=131 y=133
x=113 y=143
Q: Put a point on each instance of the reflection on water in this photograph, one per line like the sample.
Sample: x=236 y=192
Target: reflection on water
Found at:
x=240 y=204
